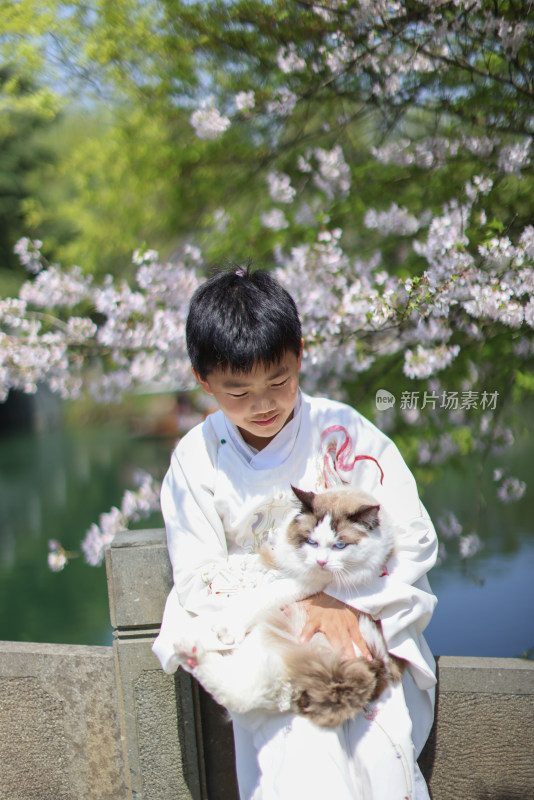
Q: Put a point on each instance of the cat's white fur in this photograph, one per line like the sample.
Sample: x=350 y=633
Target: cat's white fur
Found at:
x=340 y=537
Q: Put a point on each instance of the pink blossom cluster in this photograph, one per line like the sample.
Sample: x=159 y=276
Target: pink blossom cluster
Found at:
x=29 y=253
x=509 y=488
x=48 y=333
x=136 y=504
x=451 y=529
x=208 y=122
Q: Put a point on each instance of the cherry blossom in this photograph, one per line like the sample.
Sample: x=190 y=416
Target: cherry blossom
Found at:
x=208 y=122
x=29 y=253
x=245 y=101
x=136 y=505
x=280 y=188
x=394 y=220
x=426 y=361
x=514 y=157
x=470 y=545
x=274 y=219
x=57 y=556
x=510 y=489
x=289 y=61
x=449 y=525
x=283 y=103
x=333 y=173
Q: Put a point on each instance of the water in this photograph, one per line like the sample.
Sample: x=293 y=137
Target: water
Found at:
x=485 y=603
x=54 y=485
x=493 y=619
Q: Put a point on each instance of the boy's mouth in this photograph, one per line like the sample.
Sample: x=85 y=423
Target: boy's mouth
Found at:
x=265 y=422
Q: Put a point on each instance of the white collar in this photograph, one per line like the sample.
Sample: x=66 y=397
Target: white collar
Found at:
x=276 y=452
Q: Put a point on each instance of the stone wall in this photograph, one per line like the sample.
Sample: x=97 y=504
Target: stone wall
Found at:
x=482 y=743
x=59 y=731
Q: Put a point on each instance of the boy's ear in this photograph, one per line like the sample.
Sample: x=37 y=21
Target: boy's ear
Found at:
x=205 y=385
x=301 y=352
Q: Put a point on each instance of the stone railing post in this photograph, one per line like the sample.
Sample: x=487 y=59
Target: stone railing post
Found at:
x=158 y=713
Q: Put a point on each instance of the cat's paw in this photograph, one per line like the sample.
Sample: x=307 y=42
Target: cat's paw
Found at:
x=230 y=632
x=189 y=653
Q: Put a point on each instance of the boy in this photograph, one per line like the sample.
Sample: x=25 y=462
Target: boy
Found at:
x=230 y=481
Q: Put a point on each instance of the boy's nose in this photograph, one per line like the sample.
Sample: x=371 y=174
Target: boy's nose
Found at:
x=264 y=403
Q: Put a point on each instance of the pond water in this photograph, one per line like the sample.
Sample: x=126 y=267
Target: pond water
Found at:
x=54 y=485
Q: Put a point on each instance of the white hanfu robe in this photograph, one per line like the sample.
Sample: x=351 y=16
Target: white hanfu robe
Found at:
x=220 y=496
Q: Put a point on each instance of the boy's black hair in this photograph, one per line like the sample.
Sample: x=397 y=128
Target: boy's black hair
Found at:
x=239 y=318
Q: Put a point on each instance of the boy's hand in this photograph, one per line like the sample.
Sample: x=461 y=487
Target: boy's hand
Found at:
x=337 y=621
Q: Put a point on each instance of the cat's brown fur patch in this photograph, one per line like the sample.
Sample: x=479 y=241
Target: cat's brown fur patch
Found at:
x=339 y=503
x=347 y=508
x=391 y=674
x=329 y=689
x=300 y=528
x=396 y=668
x=267 y=558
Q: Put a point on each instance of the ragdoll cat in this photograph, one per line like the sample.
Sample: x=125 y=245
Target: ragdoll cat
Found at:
x=339 y=537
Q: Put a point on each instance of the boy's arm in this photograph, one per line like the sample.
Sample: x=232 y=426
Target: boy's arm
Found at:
x=196 y=544
x=416 y=541
x=195 y=533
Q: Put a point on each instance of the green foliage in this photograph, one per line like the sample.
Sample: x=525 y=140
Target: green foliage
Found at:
x=135 y=171
x=101 y=195
x=523 y=386
x=20 y=153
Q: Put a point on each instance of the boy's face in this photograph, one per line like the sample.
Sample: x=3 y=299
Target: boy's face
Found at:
x=259 y=402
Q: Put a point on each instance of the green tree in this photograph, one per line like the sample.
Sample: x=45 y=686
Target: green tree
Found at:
x=20 y=154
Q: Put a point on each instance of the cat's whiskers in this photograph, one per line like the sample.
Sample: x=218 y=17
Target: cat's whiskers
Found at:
x=343 y=579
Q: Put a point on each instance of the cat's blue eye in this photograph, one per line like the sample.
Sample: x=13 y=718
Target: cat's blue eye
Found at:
x=311 y=542
x=340 y=545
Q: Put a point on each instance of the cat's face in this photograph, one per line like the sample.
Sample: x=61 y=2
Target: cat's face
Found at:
x=337 y=531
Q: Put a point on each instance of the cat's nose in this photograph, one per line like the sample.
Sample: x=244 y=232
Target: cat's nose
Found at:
x=321 y=562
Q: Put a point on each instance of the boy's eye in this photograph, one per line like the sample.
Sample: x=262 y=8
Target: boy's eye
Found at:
x=311 y=542
x=340 y=545
x=282 y=383
x=237 y=396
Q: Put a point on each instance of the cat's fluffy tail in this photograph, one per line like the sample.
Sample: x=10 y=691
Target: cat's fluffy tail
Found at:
x=330 y=689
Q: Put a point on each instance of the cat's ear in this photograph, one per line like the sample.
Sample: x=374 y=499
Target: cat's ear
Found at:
x=306 y=498
x=367 y=516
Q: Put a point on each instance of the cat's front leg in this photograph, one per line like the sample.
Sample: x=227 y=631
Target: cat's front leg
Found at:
x=231 y=631
x=236 y=619
x=285 y=591
x=189 y=652
x=251 y=606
